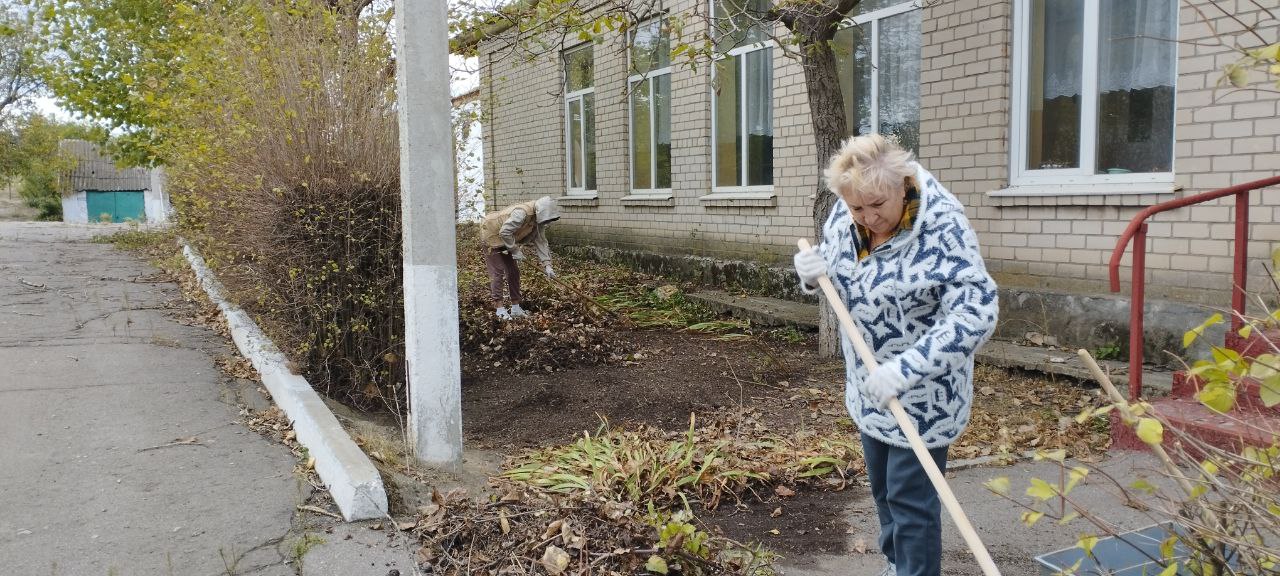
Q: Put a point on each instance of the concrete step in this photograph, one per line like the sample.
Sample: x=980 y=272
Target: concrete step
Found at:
x=760 y=310
x=1231 y=431
x=773 y=312
x=1156 y=381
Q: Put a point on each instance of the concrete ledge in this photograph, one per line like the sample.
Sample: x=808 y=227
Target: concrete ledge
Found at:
x=350 y=476
x=760 y=310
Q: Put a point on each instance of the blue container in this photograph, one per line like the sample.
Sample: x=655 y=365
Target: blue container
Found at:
x=1125 y=554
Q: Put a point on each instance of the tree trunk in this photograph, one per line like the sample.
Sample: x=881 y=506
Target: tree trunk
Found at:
x=826 y=112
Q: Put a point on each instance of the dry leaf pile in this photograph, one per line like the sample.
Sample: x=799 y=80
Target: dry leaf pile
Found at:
x=1015 y=412
x=566 y=327
x=528 y=532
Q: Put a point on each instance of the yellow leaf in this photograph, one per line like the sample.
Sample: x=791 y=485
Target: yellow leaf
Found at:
x=1191 y=335
x=1166 y=547
x=1142 y=485
x=1030 y=518
x=1170 y=570
x=998 y=485
x=656 y=564
x=1209 y=468
x=1076 y=475
x=1238 y=76
x=1087 y=543
x=1271 y=52
x=1150 y=431
x=1040 y=490
x=1056 y=455
x=1269 y=390
x=1219 y=396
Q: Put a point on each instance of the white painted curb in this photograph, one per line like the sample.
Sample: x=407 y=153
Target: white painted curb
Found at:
x=352 y=479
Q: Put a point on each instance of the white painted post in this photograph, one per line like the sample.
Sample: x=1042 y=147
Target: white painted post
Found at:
x=430 y=265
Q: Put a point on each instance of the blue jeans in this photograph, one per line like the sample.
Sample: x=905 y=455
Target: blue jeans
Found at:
x=908 y=506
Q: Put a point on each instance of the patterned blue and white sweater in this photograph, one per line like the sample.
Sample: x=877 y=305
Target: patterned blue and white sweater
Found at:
x=924 y=303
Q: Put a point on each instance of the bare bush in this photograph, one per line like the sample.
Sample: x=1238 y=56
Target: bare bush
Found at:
x=292 y=189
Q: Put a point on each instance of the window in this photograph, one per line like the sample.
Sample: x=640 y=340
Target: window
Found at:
x=1093 y=93
x=580 y=122
x=742 y=100
x=650 y=109
x=879 y=61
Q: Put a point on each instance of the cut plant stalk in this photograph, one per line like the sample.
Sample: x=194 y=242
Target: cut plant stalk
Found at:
x=1127 y=415
x=909 y=430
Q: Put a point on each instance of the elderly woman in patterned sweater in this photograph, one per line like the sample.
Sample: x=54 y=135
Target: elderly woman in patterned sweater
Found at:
x=906 y=264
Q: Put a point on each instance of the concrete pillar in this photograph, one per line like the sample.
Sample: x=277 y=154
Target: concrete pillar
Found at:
x=430 y=265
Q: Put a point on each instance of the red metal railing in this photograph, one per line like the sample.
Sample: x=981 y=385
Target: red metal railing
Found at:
x=1137 y=230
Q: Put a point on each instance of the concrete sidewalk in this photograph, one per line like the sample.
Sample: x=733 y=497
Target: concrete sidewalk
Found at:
x=97 y=382
x=1012 y=545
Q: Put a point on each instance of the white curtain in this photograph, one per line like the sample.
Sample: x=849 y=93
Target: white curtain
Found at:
x=1136 y=45
x=759 y=95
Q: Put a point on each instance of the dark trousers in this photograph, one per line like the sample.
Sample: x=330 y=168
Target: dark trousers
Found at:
x=501 y=265
x=908 y=506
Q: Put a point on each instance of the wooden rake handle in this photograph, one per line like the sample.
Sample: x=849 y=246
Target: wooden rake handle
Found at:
x=909 y=429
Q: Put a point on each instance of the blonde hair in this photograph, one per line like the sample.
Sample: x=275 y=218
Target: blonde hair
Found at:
x=870 y=162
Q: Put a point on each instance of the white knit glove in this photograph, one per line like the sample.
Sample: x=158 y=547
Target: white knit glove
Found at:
x=550 y=272
x=517 y=254
x=882 y=385
x=810 y=266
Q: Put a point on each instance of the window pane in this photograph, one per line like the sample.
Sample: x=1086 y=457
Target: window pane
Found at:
x=853 y=58
x=737 y=23
x=651 y=48
x=727 y=122
x=662 y=129
x=1053 y=89
x=575 y=143
x=1137 y=66
x=589 y=140
x=579 y=70
x=641 y=154
x=868 y=6
x=900 y=78
x=759 y=110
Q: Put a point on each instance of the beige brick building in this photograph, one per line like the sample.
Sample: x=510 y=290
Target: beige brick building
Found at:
x=1050 y=156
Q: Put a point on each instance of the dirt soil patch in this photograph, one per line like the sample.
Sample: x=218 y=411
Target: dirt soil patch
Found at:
x=671 y=375
x=786 y=388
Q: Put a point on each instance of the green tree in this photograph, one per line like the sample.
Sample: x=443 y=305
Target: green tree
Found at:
x=18 y=78
x=31 y=154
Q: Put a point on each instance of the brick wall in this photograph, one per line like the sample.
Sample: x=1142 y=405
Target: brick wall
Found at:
x=1056 y=242
x=524 y=158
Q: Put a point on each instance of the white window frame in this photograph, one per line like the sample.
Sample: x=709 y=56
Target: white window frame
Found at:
x=656 y=193
x=569 y=98
x=1070 y=181
x=874 y=19
x=739 y=192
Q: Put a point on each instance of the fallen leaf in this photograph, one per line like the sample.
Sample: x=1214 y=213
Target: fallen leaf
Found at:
x=775 y=532
x=783 y=491
x=552 y=529
x=555 y=560
x=502 y=521
x=776 y=512
x=860 y=545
